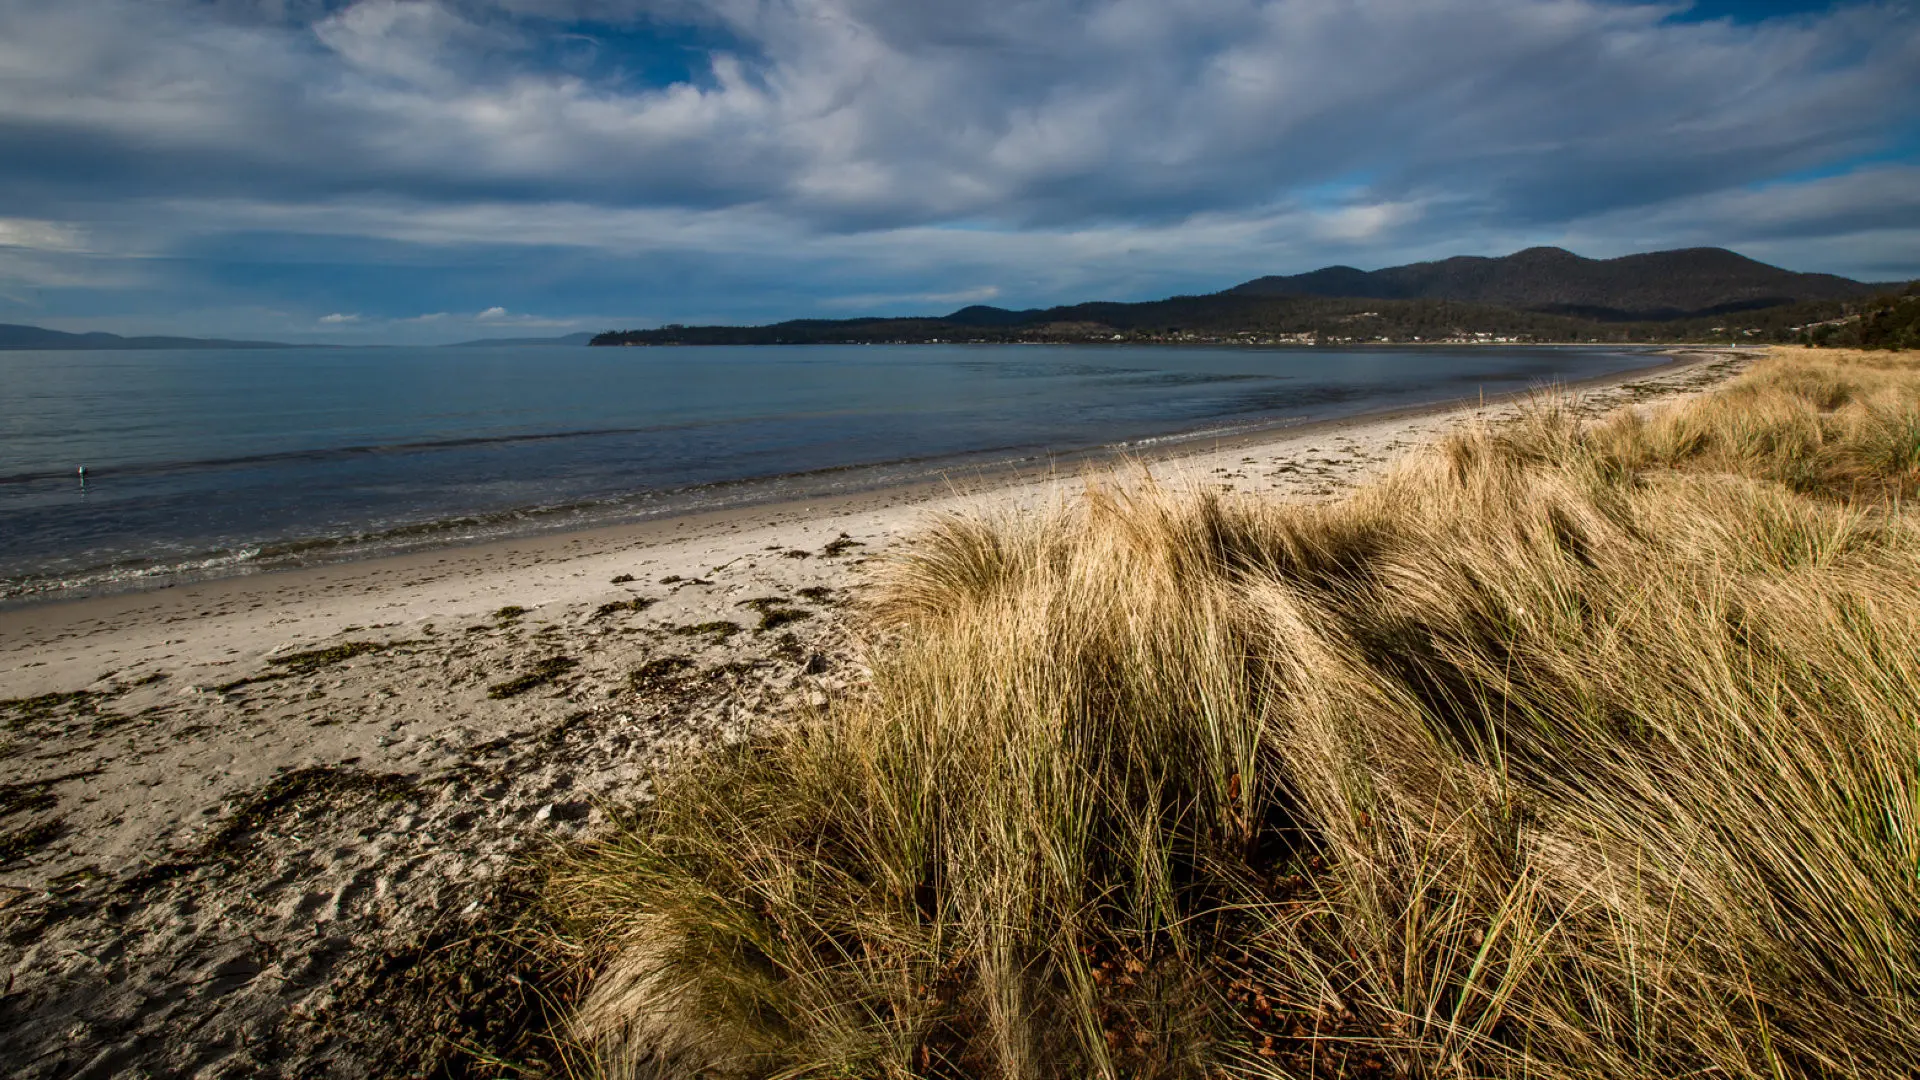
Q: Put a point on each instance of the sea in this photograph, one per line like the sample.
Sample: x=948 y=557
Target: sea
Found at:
x=204 y=463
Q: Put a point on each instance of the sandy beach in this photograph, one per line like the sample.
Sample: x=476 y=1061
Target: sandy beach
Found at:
x=279 y=825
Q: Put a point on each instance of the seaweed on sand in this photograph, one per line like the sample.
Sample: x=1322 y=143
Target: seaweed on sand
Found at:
x=543 y=673
x=718 y=629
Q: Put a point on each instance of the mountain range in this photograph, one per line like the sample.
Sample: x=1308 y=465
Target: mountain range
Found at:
x=15 y=336
x=1658 y=285
x=1541 y=293
x=507 y=342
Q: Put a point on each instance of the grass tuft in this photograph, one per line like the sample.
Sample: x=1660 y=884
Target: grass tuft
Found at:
x=1562 y=750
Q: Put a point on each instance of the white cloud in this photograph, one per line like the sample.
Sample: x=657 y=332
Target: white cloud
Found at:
x=415 y=42
x=1370 y=221
x=492 y=313
x=983 y=294
x=41 y=235
x=337 y=318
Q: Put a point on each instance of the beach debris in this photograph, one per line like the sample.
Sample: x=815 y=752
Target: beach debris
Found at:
x=332 y=654
x=840 y=546
x=775 y=612
x=719 y=629
x=307 y=661
x=20 y=844
x=660 y=673
x=638 y=603
x=543 y=673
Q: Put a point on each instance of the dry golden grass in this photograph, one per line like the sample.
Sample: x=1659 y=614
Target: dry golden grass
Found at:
x=1560 y=751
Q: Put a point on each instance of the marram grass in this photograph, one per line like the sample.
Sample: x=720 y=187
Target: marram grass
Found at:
x=1563 y=750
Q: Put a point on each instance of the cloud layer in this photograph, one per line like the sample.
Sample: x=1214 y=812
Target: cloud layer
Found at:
x=662 y=159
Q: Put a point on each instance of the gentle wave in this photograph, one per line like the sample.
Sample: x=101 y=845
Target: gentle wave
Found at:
x=331 y=453
x=632 y=507
x=125 y=575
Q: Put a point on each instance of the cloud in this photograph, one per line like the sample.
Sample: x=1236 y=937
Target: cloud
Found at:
x=336 y=318
x=40 y=235
x=877 y=301
x=856 y=114
x=898 y=153
x=492 y=313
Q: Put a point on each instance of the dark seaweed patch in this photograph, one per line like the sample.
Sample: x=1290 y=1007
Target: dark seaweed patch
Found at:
x=638 y=603
x=840 y=546
x=333 y=654
x=25 y=799
x=20 y=712
x=661 y=673
x=774 y=613
x=789 y=648
x=732 y=669
x=558 y=733
x=301 y=663
x=23 y=843
x=543 y=673
x=465 y=999
x=312 y=783
x=774 y=618
x=316 y=785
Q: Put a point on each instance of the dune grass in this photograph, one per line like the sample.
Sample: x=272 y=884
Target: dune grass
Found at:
x=1562 y=750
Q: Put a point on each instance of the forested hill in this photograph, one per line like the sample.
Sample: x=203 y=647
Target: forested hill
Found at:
x=1659 y=285
x=1542 y=294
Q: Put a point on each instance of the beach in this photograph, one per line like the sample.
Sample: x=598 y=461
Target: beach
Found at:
x=281 y=824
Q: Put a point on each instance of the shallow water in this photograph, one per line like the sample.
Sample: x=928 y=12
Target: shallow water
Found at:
x=203 y=462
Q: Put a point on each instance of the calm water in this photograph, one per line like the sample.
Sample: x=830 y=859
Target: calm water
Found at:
x=229 y=461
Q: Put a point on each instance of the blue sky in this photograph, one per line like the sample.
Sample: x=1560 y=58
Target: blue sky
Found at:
x=434 y=170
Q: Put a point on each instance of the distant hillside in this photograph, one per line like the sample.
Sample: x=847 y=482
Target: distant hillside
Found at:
x=13 y=336
x=1543 y=294
x=1657 y=285
x=489 y=343
x=1889 y=321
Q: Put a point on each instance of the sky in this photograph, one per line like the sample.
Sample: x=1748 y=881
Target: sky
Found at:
x=420 y=171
